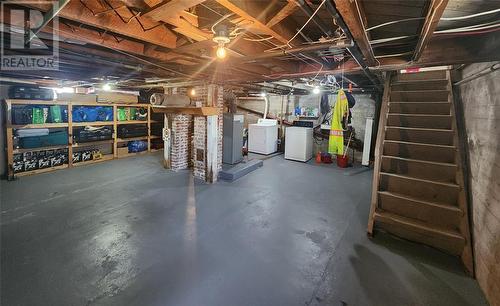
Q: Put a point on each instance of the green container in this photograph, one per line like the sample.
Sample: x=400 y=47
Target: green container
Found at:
x=55 y=114
x=38 y=117
x=133 y=113
x=122 y=115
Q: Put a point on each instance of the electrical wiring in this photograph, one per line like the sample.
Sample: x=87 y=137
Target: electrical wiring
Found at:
x=383 y=40
x=364 y=31
x=470 y=16
x=393 y=22
x=305 y=24
x=442 y=18
x=469 y=28
x=259 y=39
x=470 y=32
x=393 y=55
x=423 y=37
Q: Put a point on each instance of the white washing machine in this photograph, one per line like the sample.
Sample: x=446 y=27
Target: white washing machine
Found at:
x=298 y=143
x=263 y=136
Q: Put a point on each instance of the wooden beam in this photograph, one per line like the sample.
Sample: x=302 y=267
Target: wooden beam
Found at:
x=350 y=12
x=174 y=13
x=110 y=21
x=256 y=24
x=434 y=14
x=286 y=11
x=171 y=9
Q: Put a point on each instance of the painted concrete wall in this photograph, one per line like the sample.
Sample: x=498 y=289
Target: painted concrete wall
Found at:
x=364 y=108
x=481 y=104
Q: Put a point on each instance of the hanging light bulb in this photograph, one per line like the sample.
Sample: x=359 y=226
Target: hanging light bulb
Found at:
x=221 y=51
x=106 y=87
x=316 y=90
x=192 y=92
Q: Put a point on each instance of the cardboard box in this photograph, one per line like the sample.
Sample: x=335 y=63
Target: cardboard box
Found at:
x=119 y=98
x=122 y=151
x=77 y=98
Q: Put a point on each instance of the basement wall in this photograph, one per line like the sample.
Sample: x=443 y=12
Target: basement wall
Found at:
x=481 y=105
x=364 y=108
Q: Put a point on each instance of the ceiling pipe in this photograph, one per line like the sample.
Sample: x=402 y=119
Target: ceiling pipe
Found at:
x=354 y=50
x=308 y=48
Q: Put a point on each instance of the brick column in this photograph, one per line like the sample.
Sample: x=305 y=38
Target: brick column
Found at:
x=180 y=140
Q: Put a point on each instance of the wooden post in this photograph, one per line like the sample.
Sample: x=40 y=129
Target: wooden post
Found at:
x=166 y=143
x=211 y=169
x=9 y=141
x=115 y=131
x=70 y=135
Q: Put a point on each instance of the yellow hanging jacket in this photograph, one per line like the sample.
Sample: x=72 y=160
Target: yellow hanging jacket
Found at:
x=340 y=110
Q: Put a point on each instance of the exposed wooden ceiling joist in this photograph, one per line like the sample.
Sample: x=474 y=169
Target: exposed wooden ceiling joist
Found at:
x=352 y=14
x=434 y=14
x=286 y=11
x=256 y=24
x=110 y=21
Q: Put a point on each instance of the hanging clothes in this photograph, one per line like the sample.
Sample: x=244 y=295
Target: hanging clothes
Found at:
x=340 y=110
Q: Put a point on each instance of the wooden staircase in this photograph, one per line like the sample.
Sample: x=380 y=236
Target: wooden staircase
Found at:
x=418 y=185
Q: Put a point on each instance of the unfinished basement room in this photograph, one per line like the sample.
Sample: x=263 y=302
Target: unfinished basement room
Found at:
x=250 y=152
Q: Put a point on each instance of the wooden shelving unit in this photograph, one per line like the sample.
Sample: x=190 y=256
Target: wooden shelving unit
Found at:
x=114 y=142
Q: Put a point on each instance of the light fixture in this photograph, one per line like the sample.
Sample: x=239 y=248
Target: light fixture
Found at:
x=316 y=90
x=221 y=51
x=221 y=37
x=262 y=94
x=106 y=87
x=192 y=92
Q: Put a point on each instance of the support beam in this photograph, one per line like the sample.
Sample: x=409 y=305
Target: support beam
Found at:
x=286 y=11
x=355 y=51
x=436 y=10
x=352 y=14
x=171 y=9
x=256 y=24
x=110 y=21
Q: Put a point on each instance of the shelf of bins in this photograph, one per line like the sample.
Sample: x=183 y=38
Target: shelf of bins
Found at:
x=114 y=142
x=93 y=123
x=38 y=126
x=39 y=171
x=94 y=161
x=92 y=143
x=18 y=151
x=132 y=138
x=132 y=122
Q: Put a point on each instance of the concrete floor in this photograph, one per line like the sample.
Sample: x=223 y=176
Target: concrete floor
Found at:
x=127 y=232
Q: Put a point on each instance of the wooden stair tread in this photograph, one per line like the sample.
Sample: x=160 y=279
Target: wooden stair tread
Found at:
x=407 y=177
x=417 y=129
x=452 y=234
x=397 y=82
x=425 y=202
x=418 y=115
x=419 y=144
x=420 y=90
x=420 y=161
x=418 y=102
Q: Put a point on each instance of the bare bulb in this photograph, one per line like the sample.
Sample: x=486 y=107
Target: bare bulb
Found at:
x=316 y=90
x=192 y=92
x=106 y=87
x=221 y=52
